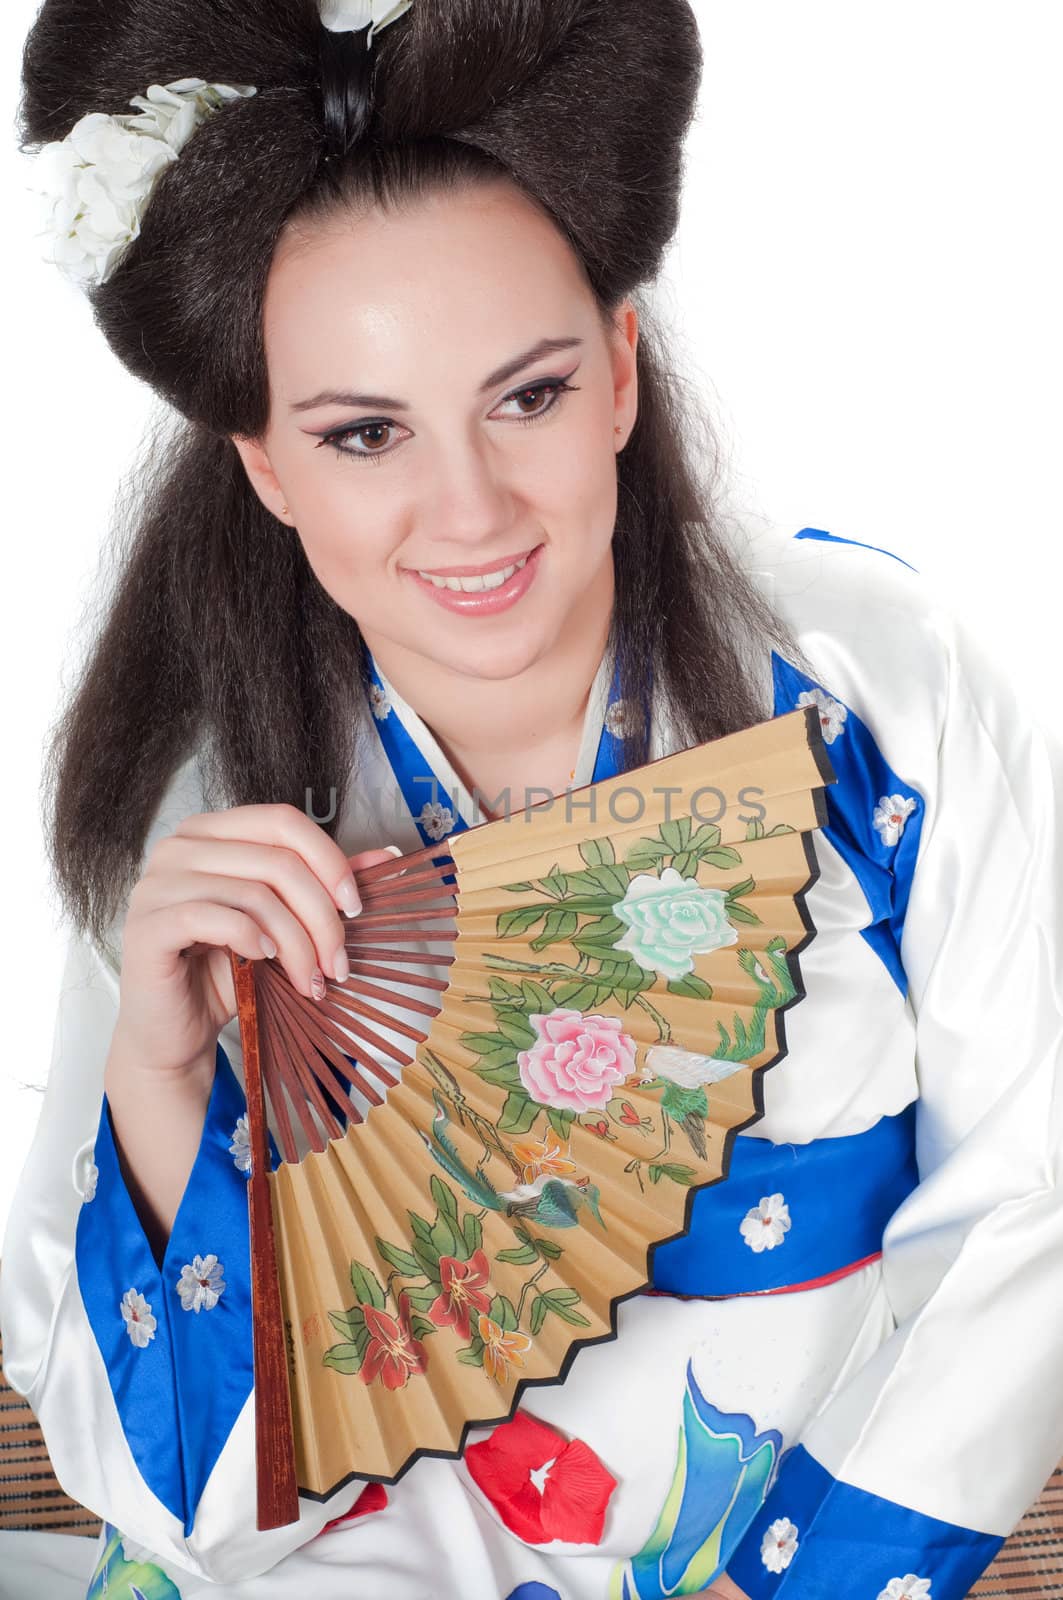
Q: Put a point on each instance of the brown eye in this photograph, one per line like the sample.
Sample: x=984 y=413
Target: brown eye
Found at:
x=531 y=394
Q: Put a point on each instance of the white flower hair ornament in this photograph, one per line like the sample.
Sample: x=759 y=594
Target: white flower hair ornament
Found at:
x=98 y=180
x=350 y=16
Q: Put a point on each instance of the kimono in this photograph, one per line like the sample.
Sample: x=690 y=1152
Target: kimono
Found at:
x=846 y=1378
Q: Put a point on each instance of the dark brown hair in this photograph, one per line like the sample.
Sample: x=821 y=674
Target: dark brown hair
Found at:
x=217 y=636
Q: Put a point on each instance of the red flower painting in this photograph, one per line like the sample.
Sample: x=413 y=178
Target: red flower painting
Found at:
x=392 y=1352
x=462 y=1293
x=542 y=1485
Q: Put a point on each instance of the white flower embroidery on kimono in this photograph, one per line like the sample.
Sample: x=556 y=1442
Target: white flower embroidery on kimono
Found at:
x=139 y=1322
x=436 y=820
x=779 y=1544
x=907 y=1588
x=891 y=813
x=764 y=1226
x=622 y=717
x=832 y=713
x=240 y=1148
x=85 y=1172
x=201 y=1283
x=379 y=701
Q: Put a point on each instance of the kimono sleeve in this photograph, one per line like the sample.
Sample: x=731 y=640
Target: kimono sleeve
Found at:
x=140 y=1372
x=913 y=1472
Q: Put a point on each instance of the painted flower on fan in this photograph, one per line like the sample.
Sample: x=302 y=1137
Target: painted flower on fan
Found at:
x=542 y=1485
x=392 y=1354
x=907 y=1588
x=502 y=1348
x=463 y=1288
x=139 y=1322
x=576 y=1060
x=671 y=919
x=539 y=1156
x=201 y=1283
x=766 y=1224
x=779 y=1545
x=832 y=713
x=891 y=813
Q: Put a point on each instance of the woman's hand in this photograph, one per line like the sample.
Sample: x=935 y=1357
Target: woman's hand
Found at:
x=228 y=878
x=222 y=879
x=724 y=1589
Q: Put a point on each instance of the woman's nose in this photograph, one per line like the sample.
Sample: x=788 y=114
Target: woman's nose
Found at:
x=471 y=500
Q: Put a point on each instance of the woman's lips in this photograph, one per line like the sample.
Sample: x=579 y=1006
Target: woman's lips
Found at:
x=486 y=601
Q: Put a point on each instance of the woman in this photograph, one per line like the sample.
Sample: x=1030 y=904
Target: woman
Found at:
x=391 y=294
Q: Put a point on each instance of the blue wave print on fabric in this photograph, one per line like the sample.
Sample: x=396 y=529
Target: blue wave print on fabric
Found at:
x=834 y=538
x=120 y=1579
x=724 y=1468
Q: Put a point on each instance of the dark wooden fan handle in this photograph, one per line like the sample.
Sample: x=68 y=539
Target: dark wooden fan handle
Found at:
x=278 y=1492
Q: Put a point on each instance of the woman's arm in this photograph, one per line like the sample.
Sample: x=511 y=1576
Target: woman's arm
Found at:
x=916 y=1469
x=97 y=1332
x=127 y=1258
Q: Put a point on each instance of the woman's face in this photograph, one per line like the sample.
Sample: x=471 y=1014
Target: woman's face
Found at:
x=400 y=445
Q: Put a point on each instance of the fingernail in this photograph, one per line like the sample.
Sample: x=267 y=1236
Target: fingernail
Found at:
x=268 y=947
x=317 y=984
x=348 y=896
x=341 y=966
x=395 y=851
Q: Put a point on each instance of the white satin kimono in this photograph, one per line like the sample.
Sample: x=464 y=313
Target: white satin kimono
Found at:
x=848 y=1379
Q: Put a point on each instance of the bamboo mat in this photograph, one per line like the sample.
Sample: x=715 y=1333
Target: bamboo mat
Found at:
x=1029 y=1564
x=30 y=1497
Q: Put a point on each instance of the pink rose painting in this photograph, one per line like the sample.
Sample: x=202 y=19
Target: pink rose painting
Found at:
x=576 y=1061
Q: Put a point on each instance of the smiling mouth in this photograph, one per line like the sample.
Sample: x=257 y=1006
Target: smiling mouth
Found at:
x=476 y=582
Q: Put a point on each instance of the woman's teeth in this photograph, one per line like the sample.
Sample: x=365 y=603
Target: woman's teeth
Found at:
x=484 y=580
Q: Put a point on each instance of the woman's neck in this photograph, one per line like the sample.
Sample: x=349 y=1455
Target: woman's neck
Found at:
x=488 y=726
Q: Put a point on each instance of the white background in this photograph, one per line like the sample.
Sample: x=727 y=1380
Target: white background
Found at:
x=867 y=290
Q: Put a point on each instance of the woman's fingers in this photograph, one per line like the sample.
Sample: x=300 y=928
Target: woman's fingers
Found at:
x=271 y=882
x=305 y=939
x=284 y=827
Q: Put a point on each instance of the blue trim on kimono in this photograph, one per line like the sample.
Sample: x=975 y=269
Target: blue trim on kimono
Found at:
x=850 y=1542
x=420 y=787
x=178 y=1396
x=834 y=538
x=866 y=786
x=874 y=1171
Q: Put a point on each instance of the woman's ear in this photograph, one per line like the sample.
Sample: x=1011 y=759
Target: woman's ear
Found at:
x=625 y=371
x=261 y=475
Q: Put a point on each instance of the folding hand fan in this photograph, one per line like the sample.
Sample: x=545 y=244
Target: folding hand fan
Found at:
x=614 y=968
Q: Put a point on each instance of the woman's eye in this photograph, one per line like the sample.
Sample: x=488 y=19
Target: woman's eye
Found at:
x=370 y=433
x=554 y=387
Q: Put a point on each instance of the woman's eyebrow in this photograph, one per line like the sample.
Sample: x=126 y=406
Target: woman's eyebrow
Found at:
x=508 y=369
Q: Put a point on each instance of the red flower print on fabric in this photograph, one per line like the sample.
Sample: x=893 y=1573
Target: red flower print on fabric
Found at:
x=463 y=1292
x=542 y=1485
x=374 y=1497
x=392 y=1352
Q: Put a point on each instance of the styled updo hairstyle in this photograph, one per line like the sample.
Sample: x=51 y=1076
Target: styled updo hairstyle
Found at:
x=218 y=635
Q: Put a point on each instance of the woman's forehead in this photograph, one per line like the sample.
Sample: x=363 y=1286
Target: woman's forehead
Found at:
x=436 y=289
